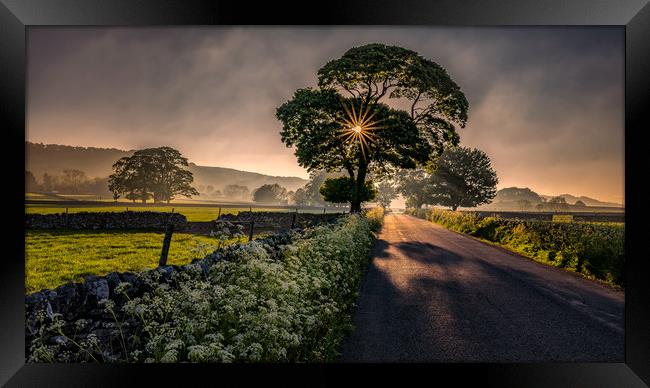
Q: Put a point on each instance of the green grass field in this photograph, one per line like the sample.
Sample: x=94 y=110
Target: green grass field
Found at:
x=193 y=213
x=199 y=213
x=53 y=258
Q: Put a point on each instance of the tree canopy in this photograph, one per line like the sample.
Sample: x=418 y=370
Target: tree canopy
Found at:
x=156 y=173
x=340 y=190
x=463 y=177
x=270 y=194
x=237 y=191
x=386 y=193
x=343 y=125
x=414 y=185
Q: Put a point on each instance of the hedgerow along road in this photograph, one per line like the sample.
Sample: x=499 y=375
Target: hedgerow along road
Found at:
x=433 y=295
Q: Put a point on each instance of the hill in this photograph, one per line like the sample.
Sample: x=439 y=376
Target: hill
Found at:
x=513 y=194
x=97 y=163
x=572 y=199
x=518 y=198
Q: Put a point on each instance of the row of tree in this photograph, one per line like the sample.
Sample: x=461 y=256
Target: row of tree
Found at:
x=71 y=181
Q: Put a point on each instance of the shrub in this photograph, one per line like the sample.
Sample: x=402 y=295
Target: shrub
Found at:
x=376 y=218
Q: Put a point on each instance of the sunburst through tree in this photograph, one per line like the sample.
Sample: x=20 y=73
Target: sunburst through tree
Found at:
x=358 y=126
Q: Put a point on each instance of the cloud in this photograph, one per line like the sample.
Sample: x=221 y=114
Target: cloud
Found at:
x=545 y=103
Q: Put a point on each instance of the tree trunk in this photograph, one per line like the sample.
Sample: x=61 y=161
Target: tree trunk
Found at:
x=355 y=203
x=355 y=206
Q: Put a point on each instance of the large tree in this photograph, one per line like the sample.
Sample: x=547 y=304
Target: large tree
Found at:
x=156 y=173
x=345 y=124
x=463 y=177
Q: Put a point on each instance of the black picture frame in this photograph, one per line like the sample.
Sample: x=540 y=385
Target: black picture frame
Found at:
x=17 y=15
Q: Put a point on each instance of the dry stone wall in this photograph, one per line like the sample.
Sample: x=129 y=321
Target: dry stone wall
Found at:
x=82 y=305
x=105 y=220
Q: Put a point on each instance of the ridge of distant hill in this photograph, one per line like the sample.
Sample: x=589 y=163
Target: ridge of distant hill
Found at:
x=572 y=199
x=98 y=162
x=510 y=197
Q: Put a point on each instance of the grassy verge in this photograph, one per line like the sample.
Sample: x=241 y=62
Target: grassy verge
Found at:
x=56 y=257
x=592 y=250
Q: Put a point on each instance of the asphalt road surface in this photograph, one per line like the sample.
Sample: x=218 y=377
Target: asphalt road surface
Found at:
x=433 y=295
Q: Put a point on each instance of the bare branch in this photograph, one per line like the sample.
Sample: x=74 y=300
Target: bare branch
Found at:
x=413 y=105
x=349 y=91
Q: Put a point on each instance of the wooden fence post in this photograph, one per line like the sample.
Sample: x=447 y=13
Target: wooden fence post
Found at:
x=166 y=242
x=66 y=217
x=172 y=210
x=250 y=209
x=219 y=215
x=324 y=210
x=250 y=232
x=293 y=221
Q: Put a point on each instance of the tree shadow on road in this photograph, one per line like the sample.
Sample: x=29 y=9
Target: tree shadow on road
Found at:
x=452 y=308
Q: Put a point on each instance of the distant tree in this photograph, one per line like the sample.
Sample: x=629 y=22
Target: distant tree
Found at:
x=414 y=185
x=386 y=193
x=524 y=204
x=344 y=125
x=73 y=181
x=300 y=197
x=156 y=173
x=579 y=203
x=342 y=189
x=558 y=204
x=31 y=185
x=312 y=187
x=270 y=194
x=50 y=182
x=236 y=191
x=290 y=198
x=463 y=177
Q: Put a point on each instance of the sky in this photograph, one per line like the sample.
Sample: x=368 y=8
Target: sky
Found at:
x=546 y=103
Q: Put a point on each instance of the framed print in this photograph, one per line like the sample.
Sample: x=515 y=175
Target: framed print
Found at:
x=385 y=191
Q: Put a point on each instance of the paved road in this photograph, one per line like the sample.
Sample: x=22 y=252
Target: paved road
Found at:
x=433 y=295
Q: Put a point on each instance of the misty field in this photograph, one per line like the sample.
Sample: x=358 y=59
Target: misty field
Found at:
x=56 y=257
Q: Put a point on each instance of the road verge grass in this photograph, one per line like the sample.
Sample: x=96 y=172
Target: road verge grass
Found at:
x=592 y=250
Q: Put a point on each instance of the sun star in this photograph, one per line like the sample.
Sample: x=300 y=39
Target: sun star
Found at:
x=358 y=127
